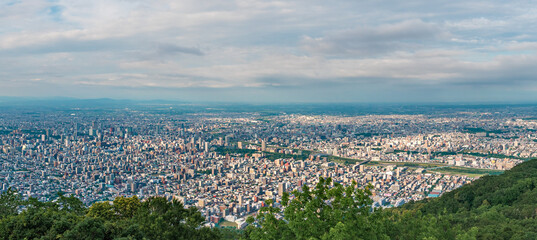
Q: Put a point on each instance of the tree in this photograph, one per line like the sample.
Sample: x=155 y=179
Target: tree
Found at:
x=87 y=229
x=9 y=201
x=103 y=210
x=159 y=218
x=71 y=204
x=126 y=207
x=45 y=220
x=328 y=211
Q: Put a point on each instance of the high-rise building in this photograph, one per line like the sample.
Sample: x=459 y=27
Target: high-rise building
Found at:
x=281 y=189
x=226 y=139
x=263 y=145
x=132 y=187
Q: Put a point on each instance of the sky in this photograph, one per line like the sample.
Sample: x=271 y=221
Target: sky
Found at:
x=270 y=51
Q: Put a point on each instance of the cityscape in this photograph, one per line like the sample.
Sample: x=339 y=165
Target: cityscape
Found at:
x=268 y=120
x=227 y=161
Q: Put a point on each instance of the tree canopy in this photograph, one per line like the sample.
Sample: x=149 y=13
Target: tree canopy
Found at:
x=124 y=218
x=329 y=211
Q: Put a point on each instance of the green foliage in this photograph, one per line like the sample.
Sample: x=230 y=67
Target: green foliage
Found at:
x=103 y=210
x=71 y=204
x=224 y=151
x=40 y=220
x=329 y=211
x=464 y=170
x=161 y=219
x=492 y=207
x=268 y=155
x=487 y=155
x=124 y=218
x=9 y=201
x=87 y=229
x=126 y=207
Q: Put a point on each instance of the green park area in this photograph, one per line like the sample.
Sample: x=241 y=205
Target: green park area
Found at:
x=227 y=224
x=470 y=172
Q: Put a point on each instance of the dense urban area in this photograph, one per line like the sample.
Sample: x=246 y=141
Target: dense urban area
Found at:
x=227 y=163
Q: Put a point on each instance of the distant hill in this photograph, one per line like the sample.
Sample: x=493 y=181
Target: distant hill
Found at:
x=515 y=187
x=498 y=207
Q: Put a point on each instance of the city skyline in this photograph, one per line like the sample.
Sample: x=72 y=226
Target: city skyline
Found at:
x=229 y=161
x=269 y=51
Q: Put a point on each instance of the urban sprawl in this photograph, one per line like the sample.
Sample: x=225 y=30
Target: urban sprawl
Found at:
x=228 y=164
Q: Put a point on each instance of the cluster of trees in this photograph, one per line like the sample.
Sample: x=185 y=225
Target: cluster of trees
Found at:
x=124 y=218
x=492 y=207
x=333 y=211
x=329 y=211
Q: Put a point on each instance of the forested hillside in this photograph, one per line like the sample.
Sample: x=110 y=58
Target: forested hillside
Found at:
x=492 y=207
x=495 y=207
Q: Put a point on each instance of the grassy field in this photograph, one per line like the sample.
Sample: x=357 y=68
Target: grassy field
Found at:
x=475 y=154
x=471 y=172
x=346 y=161
x=227 y=224
x=405 y=164
x=273 y=156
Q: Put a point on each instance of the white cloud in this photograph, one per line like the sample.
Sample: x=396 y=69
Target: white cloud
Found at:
x=476 y=23
x=265 y=44
x=365 y=41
